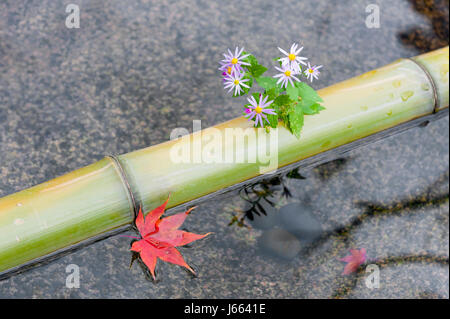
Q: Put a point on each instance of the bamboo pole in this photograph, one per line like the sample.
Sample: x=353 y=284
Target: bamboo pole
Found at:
x=94 y=200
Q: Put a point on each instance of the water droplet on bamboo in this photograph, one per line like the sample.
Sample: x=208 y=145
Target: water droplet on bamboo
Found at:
x=425 y=87
x=406 y=95
x=364 y=107
x=19 y=204
x=349 y=126
x=397 y=83
x=389 y=113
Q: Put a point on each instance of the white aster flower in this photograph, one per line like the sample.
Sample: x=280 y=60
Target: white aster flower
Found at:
x=286 y=75
x=233 y=62
x=312 y=72
x=292 y=58
x=235 y=81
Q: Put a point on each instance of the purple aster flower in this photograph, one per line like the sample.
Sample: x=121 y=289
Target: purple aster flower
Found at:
x=286 y=75
x=228 y=70
x=292 y=59
x=233 y=62
x=235 y=81
x=312 y=72
x=258 y=110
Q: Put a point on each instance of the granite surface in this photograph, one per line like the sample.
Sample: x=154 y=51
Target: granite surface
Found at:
x=135 y=70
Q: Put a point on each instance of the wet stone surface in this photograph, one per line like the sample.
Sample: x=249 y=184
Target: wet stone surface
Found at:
x=135 y=70
x=280 y=243
x=299 y=220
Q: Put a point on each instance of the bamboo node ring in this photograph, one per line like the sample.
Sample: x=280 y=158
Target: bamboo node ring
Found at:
x=123 y=176
x=432 y=82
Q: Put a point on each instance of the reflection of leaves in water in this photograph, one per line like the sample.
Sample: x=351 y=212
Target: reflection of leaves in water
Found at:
x=265 y=191
x=437 y=12
x=268 y=190
x=295 y=174
x=351 y=281
x=327 y=170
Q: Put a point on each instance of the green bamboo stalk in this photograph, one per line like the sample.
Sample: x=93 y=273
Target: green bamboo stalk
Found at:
x=356 y=108
x=94 y=200
x=61 y=212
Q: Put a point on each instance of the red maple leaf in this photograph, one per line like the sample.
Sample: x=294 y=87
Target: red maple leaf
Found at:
x=159 y=237
x=356 y=259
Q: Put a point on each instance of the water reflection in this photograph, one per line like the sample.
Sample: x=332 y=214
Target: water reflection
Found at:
x=261 y=194
x=270 y=192
x=293 y=231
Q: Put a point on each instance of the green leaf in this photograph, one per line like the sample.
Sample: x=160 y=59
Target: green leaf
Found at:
x=282 y=105
x=307 y=93
x=320 y=108
x=256 y=96
x=296 y=120
x=292 y=92
x=273 y=120
x=272 y=93
x=282 y=100
x=308 y=99
x=310 y=108
x=276 y=107
x=266 y=82
x=255 y=69
x=258 y=70
x=250 y=59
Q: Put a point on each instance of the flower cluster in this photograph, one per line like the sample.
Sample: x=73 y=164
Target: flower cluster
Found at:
x=290 y=98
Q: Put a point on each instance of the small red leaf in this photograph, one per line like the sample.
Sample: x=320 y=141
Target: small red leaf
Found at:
x=149 y=225
x=148 y=256
x=172 y=255
x=137 y=246
x=140 y=220
x=161 y=236
x=177 y=237
x=356 y=259
x=173 y=222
